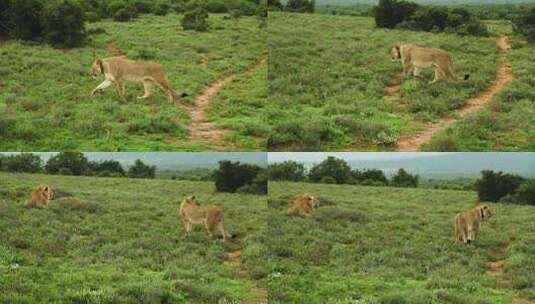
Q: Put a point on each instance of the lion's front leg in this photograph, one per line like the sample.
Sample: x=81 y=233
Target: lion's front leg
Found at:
x=106 y=83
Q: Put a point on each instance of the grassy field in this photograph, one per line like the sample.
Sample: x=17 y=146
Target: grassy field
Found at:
x=392 y=245
x=45 y=102
x=106 y=240
x=328 y=76
x=508 y=123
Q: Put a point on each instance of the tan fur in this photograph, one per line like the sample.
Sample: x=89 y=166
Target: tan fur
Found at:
x=192 y=213
x=466 y=223
x=40 y=197
x=119 y=71
x=415 y=58
x=304 y=205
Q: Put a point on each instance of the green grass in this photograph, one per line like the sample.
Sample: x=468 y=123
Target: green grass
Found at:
x=117 y=240
x=508 y=124
x=45 y=102
x=391 y=245
x=327 y=78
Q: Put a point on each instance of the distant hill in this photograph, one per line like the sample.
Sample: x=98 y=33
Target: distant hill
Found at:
x=441 y=2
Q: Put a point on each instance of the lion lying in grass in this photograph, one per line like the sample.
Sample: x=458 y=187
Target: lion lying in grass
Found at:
x=304 y=205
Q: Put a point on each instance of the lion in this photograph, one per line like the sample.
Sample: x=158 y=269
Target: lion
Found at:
x=40 y=197
x=415 y=58
x=192 y=213
x=119 y=71
x=467 y=223
x=304 y=205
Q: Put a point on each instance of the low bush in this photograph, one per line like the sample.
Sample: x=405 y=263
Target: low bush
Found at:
x=63 y=22
x=196 y=20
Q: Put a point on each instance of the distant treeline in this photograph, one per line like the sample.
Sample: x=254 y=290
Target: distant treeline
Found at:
x=229 y=177
x=61 y=23
x=296 y=6
x=73 y=163
x=492 y=186
x=409 y=15
x=337 y=171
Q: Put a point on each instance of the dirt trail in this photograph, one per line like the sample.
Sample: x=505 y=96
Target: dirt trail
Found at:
x=203 y=129
x=503 y=76
x=233 y=260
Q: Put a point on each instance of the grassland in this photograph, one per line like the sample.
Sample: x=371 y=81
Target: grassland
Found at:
x=44 y=92
x=106 y=240
x=392 y=245
x=328 y=76
x=507 y=124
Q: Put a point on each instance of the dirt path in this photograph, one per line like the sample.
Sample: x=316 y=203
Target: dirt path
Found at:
x=233 y=260
x=201 y=127
x=503 y=76
x=495 y=269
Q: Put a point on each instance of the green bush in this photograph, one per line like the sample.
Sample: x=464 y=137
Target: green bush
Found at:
x=4 y=5
x=141 y=170
x=23 y=19
x=143 y=6
x=288 y=170
x=331 y=170
x=65 y=171
x=404 y=179
x=196 y=19
x=493 y=186
x=524 y=194
x=161 y=8
x=63 y=22
x=234 y=176
x=524 y=24
x=300 y=6
x=92 y=17
x=76 y=162
x=123 y=15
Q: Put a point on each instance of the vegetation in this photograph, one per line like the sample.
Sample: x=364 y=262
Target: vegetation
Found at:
x=45 y=97
x=497 y=186
x=393 y=245
x=507 y=124
x=120 y=241
x=196 y=20
x=404 y=14
x=236 y=177
x=329 y=98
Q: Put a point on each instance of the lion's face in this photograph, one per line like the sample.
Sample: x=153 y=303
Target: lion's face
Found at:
x=485 y=211
x=96 y=68
x=47 y=192
x=314 y=202
x=192 y=199
x=394 y=53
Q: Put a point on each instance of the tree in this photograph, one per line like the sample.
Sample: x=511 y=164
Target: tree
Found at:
x=389 y=13
x=196 y=19
x=76 y=162
x=493 y=186
x=524 y=24
x=64 y=23
x=141 y=170
x=404 y=179
x=23 y=162
x=369 y=176
x=332 y=167
x=275 y=5
x=23 y=19
x=231 y=176
x=301 y=6
x=288 y=170
x=112 y=167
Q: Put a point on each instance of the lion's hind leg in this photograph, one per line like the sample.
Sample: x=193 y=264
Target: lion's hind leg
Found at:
x=147 y=86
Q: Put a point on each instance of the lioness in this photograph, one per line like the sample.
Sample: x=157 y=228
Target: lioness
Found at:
x=304 y=205
x=192 y=213
x=415 y=58
x=119 y=70
x=466 y=223
x=40 y=197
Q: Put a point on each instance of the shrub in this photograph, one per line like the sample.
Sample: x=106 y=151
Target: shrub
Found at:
x=288 y=170
x=389 y=13
x=115 y=6
x=63 y=22
x=4 y=5
x=258 y=185
x=92 y=17
x=473 y=28
x=76 y=162
x=161 y=8
x=24 y=162
x=493 y=186
x=65 y=171
x=123 y=15
x=196 y=19
x=524 y=194
x=23 y=18
x=331 y=170
x=524 y=24
x=141 y=170
x=404 y=179
x=232 y=176
x=300 y=6
x=143 y=6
